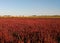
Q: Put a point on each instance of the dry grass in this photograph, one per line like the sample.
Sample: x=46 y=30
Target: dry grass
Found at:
x=55 y=16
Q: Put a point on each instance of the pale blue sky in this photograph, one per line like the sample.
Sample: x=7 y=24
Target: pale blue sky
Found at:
x=29 y=7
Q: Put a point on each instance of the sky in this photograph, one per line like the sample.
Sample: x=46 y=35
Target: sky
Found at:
x=29 y=7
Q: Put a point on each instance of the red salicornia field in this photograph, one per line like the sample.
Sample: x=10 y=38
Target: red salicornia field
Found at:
x=29 y=30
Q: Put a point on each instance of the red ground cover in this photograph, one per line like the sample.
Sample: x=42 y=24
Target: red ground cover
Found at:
x=29 y=30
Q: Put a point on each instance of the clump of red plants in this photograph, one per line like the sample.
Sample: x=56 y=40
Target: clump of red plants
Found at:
x=29 y=30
